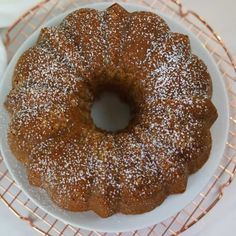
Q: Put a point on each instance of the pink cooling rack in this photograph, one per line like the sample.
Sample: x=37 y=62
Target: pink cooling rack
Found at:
x=45 y=224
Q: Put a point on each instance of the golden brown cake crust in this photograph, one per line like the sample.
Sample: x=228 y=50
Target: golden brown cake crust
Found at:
x=55 y=83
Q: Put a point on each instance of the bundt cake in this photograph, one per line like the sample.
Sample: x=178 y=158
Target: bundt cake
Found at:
x=83 y=167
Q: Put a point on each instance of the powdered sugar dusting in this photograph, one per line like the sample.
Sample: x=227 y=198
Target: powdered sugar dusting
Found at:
x=52 y=95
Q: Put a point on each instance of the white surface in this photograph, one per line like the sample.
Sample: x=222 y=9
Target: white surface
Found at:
x=120 y=222
x=220 y=14
x=3 y=57
x=12 y=226
x=10 y=10
x=110 y=113
x=221 y=220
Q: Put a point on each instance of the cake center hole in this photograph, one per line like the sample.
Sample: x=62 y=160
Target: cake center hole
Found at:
x=110 y=113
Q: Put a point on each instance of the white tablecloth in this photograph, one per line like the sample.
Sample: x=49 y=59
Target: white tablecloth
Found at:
x=222 y=219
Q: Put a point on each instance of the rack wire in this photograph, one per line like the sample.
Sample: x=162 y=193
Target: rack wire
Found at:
x=45 y=224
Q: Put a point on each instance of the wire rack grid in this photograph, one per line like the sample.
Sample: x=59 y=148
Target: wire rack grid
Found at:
x=45 y=224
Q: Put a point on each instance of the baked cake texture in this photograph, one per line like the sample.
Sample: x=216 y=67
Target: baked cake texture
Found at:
x=55 y=84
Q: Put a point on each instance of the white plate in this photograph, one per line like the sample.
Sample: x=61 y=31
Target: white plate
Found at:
x=3 y=58
x=120 y=222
